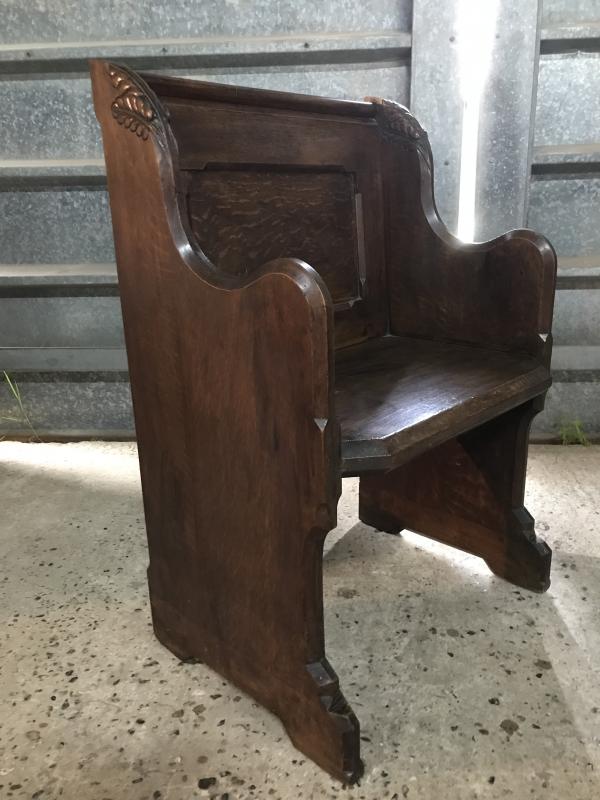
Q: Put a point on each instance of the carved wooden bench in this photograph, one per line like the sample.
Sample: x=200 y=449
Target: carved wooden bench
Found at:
x=399 y=355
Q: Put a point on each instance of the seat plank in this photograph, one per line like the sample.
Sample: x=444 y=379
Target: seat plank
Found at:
x=397 y=397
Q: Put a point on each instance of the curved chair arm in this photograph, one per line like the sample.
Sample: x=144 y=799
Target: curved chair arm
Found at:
x=508 y=282
x=497 y=293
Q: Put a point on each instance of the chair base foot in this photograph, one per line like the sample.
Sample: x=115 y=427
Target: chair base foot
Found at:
x=467 y=493
x=527 y=560
x=306 y=697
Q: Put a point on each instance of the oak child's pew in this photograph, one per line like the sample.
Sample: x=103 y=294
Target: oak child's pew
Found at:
x=295 y=312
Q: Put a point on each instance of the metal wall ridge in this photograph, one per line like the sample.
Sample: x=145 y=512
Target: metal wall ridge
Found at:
x=70 y=435
x=36 y=173
x=577 y=281
x=563 y=170
x=120 y=376
x=561 y=46
x=44 y=181
x=31 y=361
x=576 y=376
x=35 y=274
x=101 y=284
x=70 y=376
x=32 y=61
x=102 y=287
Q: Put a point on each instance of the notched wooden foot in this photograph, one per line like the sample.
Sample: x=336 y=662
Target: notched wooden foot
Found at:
x=306 y=698
x=330 y=732
x=526 y=561
x=468 y=493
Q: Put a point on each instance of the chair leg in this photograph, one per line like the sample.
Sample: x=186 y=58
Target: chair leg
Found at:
x=255 y=615
x=468 y=493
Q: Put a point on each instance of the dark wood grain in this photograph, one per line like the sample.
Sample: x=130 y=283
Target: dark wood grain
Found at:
x=241 y=218
x=498 y=293
x=238 y=451
x=218 y=93
x=468 y=493
x=399 y=354
x=256 y=143
x=396 y=397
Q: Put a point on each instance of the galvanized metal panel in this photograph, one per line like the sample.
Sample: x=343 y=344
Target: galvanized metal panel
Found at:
x=568 y=104
x=582 y=277
x=434 y=65
x=55 y=226
x=64 y=359
x=567 y=402
x=575 y=358
x=503 y=156
x=50 y=119
x=84 y=20
x=569 y=12
x=567 y=211
x=561 y=38
x=73 y=404
x=61 y=322
x=577 y=318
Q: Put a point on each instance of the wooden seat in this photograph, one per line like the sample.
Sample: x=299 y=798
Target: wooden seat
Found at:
x=397 y=397
x=296 y=311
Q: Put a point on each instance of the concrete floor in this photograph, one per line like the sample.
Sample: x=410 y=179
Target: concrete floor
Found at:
x=465 y=686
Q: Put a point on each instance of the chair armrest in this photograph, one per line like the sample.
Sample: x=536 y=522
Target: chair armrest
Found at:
x=498 y=293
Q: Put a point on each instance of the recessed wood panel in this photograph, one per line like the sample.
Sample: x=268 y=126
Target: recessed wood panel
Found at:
x=244 y=218
x=313 y=165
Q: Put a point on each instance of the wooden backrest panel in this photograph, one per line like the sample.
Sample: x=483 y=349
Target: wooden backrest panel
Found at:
x=259 y=182
x=243 y=218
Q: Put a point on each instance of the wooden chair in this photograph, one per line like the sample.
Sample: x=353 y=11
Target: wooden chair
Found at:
x=400 y=355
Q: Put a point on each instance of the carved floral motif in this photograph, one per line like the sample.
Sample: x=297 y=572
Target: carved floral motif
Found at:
x=397 y=118
x=397 y=124
x=131 y=108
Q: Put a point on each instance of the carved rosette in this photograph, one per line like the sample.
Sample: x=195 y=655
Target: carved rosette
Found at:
x=132 y=107
x=398 y=124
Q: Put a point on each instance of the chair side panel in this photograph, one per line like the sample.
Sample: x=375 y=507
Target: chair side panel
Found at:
x=232 y=393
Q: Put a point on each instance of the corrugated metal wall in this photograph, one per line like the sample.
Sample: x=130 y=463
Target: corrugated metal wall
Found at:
x=565 y=203
x=60 y=321
x=60 y=327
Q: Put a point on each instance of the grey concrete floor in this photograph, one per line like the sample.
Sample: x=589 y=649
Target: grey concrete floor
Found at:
x=465 y=686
